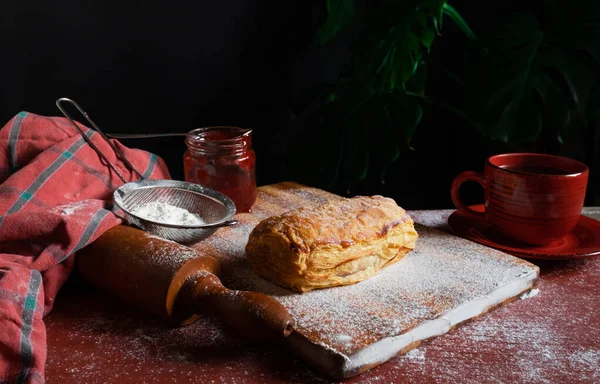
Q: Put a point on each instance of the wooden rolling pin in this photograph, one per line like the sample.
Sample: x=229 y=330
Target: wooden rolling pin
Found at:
x=177 y=283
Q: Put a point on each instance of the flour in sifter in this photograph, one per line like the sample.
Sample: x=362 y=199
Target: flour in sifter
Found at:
x=167 y=214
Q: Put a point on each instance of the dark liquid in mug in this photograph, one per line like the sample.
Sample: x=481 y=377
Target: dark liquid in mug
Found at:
x=535 y=169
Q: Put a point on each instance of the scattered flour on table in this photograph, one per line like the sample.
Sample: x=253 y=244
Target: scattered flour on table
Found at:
x=527 y=295
x=589 y=359
x=167 y=213
x=416 y=354
x=525 y=335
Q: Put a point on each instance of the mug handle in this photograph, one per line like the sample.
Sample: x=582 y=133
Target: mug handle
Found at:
x=456 y=183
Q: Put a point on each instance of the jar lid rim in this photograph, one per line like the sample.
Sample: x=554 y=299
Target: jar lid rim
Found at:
x=196 y=134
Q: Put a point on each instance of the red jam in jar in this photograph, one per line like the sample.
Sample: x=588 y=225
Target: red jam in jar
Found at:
x=222 y=158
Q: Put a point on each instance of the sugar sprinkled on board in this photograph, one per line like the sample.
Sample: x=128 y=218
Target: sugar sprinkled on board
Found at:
x=167 y=214
x=440 y=274
x=432 y=218
x=422 y=285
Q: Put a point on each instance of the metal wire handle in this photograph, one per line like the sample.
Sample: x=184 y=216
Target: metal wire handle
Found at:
x=142 y=135
x=117 y=151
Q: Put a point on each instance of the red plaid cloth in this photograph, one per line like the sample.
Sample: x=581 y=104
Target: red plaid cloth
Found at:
x=55 y=196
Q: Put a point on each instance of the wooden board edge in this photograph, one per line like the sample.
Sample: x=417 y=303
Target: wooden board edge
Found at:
x=334 y=364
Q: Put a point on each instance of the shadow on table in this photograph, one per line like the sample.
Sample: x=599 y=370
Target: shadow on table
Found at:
x=113 y=335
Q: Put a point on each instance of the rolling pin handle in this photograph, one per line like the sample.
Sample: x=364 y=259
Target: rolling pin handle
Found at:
x=251 y=314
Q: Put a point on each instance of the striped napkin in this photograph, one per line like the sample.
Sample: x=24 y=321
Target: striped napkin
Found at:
x=55 y=198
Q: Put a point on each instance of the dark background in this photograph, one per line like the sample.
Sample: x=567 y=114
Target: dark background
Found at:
x=152 y=66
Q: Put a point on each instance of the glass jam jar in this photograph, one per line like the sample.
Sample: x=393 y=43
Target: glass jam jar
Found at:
x=222 y=158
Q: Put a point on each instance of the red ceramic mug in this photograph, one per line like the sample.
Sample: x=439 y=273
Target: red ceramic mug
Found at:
x=529 y=197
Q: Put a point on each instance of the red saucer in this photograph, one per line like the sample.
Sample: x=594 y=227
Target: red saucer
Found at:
x=583 y=241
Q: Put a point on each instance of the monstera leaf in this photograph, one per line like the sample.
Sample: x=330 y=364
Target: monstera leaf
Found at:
x=527 y=75
x=354 y=135
x=532 y=75
x=369 y=117
x=340 y=14
x=390 y=48
x=392 y=56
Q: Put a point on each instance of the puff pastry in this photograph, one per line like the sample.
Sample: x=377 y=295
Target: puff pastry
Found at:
x=338 y=243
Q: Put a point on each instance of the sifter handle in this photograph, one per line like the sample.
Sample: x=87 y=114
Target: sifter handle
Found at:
x=117 y=151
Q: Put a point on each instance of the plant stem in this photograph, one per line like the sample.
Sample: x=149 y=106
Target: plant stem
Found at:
x=456 y=111
x=451 y=75
x=460 y=21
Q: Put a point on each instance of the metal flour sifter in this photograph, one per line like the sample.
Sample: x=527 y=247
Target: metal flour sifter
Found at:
x=213 y=207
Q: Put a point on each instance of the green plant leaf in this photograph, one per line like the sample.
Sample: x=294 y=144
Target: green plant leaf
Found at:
x=345 y=135
x=423 y=30
x=592 y=110
x=436 y=25
x=525 y=81
x=355 y=151
x=391 y=120
x=459 y=21
x=406 y=59
x=573 y=36
x=529 y=116
x=340 y=15
x=324 y=124
x=499 y=82
x=386 y=49
x=417 y=82
x=311 y=98
x=555 y=108
x=383 y=136
x=436 y=7
x=390 y=57
x=555 y=61
x=413 y=119
x=406 y=113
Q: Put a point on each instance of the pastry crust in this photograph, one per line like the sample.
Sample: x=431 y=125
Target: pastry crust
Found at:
x=338 y=243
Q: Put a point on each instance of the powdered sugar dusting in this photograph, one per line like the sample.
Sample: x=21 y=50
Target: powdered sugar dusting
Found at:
x=130 y=347
x=169 y=257
x=421 y=286
x=441 y=273
x=432 y=218
x=139 y=344
x=588 y=358
x=473 y=343
x=552 y=338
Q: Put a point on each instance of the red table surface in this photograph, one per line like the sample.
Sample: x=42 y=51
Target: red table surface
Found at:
x=551 y=337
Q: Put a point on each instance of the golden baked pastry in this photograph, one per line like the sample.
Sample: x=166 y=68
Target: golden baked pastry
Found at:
x=338 y=243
